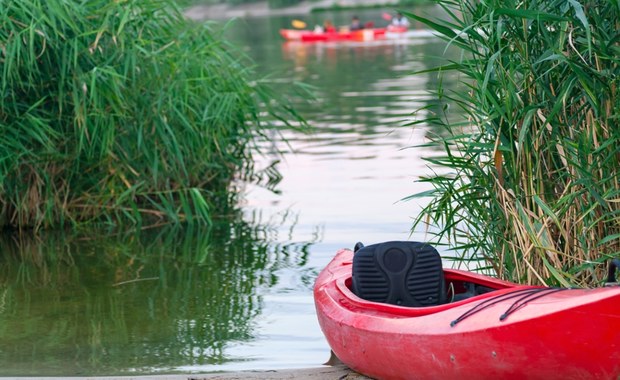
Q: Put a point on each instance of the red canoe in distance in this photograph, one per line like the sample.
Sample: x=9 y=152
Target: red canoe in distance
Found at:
x=511 y=332
x=356 y=35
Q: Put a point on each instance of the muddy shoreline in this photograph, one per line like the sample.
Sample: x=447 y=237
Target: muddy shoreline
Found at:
x=338 y=372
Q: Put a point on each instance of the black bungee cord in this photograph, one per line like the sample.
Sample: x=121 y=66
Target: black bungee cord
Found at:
x=490 y=302
x=525 y=296
x=521 y=302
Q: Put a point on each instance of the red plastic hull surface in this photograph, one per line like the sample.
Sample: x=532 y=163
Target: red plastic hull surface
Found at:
x=570 y=334
x=357 y=35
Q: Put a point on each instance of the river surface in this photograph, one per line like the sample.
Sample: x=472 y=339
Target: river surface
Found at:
x=238 y=296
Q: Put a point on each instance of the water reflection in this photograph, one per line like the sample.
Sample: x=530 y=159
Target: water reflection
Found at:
x=158 y=301
x=328 y=53
x=349 y=174
x=237 y=296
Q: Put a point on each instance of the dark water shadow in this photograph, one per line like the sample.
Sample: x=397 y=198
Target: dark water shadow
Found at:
x=135 y=303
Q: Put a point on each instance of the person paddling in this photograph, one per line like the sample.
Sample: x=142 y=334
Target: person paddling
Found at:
x=328 y=27
x=356 y=24
x=400 y=20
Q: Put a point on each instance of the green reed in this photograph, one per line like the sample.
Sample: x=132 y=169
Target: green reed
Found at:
x=121 y=112
x=528 y=184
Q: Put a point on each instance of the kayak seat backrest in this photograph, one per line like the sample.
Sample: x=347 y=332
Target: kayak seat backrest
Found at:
x=399 y=273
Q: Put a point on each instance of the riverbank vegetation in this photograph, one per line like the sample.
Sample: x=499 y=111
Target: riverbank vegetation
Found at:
x=336 y=6
x=122 y=113
x=528 y=185
x=401 y=4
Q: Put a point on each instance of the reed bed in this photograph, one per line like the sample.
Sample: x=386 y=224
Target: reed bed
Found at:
x=121 y=113
x=528 y=184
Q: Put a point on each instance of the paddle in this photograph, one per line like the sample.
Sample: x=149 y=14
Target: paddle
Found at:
x=298 y=24
x=386 y=16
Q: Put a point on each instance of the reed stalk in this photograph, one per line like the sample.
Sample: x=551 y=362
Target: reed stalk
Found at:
x=529 y=183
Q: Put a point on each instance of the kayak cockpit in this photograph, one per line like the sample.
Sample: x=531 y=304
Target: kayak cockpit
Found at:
x=409 y=276
x=349 y=299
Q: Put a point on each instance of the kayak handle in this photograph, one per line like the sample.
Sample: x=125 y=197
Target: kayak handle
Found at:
x=611 y=273
x=359 y=245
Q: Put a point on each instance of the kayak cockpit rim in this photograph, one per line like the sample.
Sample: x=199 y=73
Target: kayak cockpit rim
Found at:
x=452 y=276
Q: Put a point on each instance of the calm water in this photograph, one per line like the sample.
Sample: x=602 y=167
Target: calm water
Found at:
x=238 y=296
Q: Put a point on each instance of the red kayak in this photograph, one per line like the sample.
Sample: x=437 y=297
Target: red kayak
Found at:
x=369 y=34
x=465 y=325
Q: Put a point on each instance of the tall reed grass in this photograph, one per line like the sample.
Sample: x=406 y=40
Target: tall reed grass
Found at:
x=120 y=112
x=529 y=181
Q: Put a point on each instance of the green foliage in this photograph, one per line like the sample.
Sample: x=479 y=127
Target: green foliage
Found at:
x=275 y=4
x=529 y=184
x=120 y=112
x=381 y=5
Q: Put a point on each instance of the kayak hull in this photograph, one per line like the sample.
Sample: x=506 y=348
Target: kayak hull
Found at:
x=356 y=35
x=573 y=333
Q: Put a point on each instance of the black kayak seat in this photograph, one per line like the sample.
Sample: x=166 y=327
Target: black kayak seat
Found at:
x=399 y=273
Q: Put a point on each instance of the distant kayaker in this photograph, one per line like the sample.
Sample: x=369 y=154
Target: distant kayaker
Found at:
x=400 y=20
x=356 y=24
x=328 y=27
